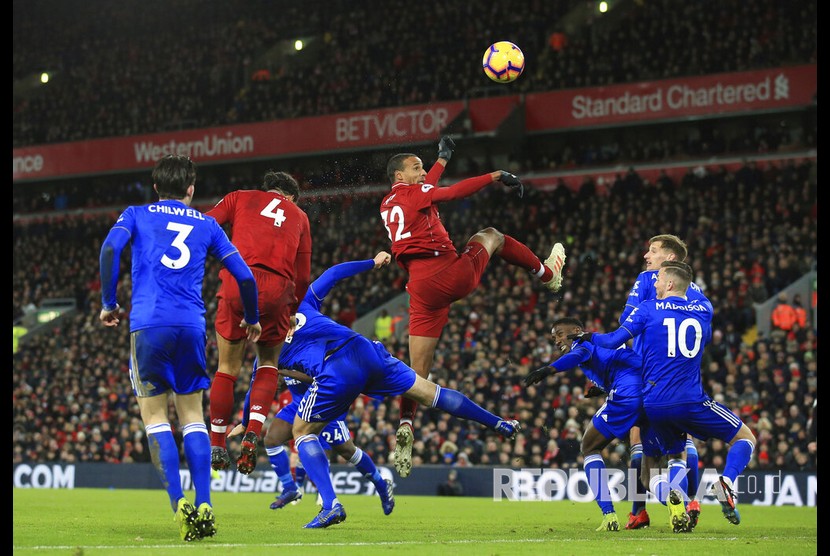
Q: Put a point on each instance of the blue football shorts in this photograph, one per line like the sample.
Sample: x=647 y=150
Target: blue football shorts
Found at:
x=617 y=415
x=165 y=358
x=333 y=434
x=360 y=367
x=666 y=426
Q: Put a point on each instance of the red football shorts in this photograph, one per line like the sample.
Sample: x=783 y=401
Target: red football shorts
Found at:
x=277 y=302
x=430 y=297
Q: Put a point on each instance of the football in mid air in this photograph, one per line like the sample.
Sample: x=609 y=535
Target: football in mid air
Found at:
x=503 y=62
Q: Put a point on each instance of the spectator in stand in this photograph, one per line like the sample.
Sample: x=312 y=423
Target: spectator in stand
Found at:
x=783 y=317
x=397 y=320
x=452 y=486
x=348 y=312
x=800 y=311
x=383 y=325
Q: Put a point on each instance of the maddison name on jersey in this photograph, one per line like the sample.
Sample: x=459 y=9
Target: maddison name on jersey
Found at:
x=178 y=211
x=672 y=306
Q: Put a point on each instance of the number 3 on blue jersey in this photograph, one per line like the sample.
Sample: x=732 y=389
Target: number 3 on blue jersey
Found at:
x=183 y=230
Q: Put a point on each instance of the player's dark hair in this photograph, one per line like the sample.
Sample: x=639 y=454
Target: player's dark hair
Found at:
x=673 y=244
x=680 y=271
x=282 y=182
x=172 y=176
x=395 y=164
x=568 y=320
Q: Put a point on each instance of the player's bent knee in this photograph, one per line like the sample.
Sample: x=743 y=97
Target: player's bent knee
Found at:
x=345 y=450
x=744 y=433
x=423 y=391
x=490 y=238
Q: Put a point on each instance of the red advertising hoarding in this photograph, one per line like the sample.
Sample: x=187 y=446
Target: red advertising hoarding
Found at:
x=725 y=93
x=775 y=89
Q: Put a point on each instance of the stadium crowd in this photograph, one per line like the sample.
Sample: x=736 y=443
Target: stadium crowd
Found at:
x=750 y=233
x=227 y=63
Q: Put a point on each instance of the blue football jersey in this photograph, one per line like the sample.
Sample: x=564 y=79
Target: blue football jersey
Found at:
x=673 y=333
x=643 y=290
x=170 y=242
x=317 y=335
x=610 y=369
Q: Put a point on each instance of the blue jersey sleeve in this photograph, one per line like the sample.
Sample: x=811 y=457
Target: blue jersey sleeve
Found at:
x=110 y=257
x=642 y=290
x=320 y=288
x=574 y=358
x=247 y=285
x=613 y=340
x=222 y=248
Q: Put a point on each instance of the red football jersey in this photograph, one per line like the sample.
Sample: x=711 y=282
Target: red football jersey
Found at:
x=413 y=223
x=268 y=229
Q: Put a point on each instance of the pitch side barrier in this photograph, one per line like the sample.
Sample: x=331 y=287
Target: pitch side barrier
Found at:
x=760 y=488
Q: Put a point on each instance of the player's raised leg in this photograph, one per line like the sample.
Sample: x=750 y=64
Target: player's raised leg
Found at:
x=456 y=403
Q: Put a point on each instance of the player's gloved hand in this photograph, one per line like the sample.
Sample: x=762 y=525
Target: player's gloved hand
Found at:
x=595 y=392
x=446 y=146
x=510 y=180
x=581 y=337
x=540 y=374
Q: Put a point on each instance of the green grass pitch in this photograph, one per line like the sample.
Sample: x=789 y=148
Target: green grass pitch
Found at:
x=138 y=522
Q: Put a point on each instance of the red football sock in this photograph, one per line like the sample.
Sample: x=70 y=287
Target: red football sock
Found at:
x=263 y=390
x=519 y=254
x=408 y=408
x=221 y=407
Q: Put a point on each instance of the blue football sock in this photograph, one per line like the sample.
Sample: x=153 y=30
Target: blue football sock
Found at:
x=299 y=475
x=317 y=466
x=365 y=465
x=636 y=463
x=677 y=475
x=456 y=403
x=660 y=488
x=278 y=456
x=737 y=458
x=165 y=456
x=197 y=452
x=693 y=471
x=598 y=482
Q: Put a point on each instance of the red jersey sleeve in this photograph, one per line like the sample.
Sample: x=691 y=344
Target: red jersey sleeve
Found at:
x=223 y=210
x=434 y=173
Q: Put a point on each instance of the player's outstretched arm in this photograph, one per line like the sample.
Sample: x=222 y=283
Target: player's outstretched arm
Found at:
x=382 y=259
x=446 y=146
x=510 y=180
x=570 y=360
x=538 y=375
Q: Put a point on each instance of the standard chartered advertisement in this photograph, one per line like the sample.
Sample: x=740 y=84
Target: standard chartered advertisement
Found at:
x=760 y=488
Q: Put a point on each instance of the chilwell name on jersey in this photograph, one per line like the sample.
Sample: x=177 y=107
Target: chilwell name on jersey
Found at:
x=178 y=211
x=668 y=305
